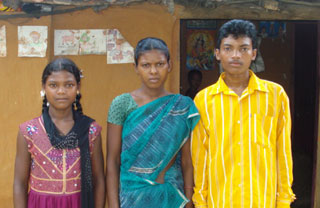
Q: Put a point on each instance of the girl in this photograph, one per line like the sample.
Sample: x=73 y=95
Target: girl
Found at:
x=59 y=161
x=148 y=150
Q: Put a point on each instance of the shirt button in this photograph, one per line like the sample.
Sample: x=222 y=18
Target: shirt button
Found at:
x=238 y=121
x=239 y=163
x=239 y=143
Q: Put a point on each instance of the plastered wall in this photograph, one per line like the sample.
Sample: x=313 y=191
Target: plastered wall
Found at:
x=20 y=78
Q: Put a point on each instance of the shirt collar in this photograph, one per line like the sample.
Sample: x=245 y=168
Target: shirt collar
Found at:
x=254 y=84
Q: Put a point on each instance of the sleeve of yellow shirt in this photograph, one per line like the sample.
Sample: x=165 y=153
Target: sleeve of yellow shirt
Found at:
x=284 y=158
x=199 y=144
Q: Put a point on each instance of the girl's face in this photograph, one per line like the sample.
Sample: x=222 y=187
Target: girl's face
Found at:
x=61 y=89
x=153 y=69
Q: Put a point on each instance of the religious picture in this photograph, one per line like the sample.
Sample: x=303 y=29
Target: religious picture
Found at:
x=200 y=49
x=272 y=29
x=32 y=41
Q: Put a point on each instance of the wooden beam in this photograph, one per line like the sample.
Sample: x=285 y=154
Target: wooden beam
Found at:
x=87 y=3
x=77 y=3
x=252 y=11
x=12 y=15
x=301 y=3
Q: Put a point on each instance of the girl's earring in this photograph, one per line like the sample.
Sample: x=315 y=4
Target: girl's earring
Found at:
x=42 y=93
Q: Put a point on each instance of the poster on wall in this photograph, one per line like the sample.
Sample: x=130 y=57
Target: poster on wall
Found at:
x=66 y=42
x=118 y=49
x=92 y=42
x=3 y=44
x=272 y=29
x=200 y=49
x=32 y=41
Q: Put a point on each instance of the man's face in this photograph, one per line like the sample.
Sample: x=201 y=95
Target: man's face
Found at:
x=236 y=55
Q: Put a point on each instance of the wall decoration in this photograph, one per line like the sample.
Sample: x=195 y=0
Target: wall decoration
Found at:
x=3 y=44
x=93 y=42
x=118 y=49
x=200 y=49
x=32 y=41
x=272 y=29
x=66 y=42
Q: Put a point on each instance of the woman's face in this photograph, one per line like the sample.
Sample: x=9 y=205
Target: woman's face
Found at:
x=153 y=69
x=61 y=89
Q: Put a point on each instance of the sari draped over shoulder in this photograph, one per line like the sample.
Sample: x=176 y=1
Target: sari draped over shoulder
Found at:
x=152 y=136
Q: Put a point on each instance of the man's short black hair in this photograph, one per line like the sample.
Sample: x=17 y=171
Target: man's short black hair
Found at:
x=238 y=28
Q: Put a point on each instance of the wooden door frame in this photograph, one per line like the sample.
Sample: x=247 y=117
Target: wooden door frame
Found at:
x=316 y=171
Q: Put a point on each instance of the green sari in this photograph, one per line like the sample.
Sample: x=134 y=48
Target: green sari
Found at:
x=152 y=136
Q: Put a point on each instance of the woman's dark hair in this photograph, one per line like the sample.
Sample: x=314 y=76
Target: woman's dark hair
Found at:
x=148 y=44
x=238 y=28
x=62 y=64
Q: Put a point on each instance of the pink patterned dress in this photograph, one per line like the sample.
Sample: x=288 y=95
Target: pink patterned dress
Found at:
x=54 y=180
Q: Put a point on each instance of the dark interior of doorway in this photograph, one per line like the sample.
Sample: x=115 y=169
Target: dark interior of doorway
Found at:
x=304 y=111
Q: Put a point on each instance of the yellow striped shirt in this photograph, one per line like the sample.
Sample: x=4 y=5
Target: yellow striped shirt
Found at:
x=241 y=147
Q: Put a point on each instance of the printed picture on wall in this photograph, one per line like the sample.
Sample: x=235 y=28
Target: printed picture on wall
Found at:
x=32 y=41
x=66 y=42
x=3 y=44
x=118 y=49
x=93 y=42
x=272 y=29
x=200 y=49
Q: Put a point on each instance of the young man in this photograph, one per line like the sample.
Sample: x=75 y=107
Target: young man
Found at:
x=241 y=148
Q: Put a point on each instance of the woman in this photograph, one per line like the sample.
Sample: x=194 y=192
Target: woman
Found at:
x=148 y=148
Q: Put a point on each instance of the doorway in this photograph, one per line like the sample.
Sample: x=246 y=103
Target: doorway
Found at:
x=304 y=126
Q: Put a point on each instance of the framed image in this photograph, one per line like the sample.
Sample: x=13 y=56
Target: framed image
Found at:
x=200 y=49
x=272 y=29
